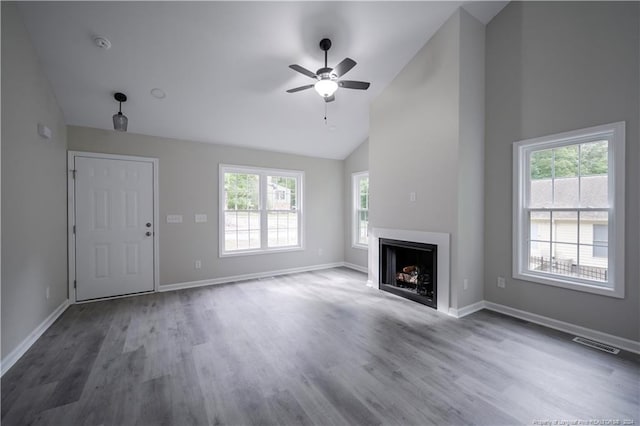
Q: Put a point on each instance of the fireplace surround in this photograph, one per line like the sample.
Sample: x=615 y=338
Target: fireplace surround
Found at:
x=440 y=239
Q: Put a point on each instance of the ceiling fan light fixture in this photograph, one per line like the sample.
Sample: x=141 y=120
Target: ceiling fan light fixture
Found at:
x=326 y=88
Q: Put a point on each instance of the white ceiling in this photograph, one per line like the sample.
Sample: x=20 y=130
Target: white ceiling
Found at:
x=224 y=65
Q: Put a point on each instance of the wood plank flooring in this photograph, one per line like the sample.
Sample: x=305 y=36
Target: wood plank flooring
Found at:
x=312 y=348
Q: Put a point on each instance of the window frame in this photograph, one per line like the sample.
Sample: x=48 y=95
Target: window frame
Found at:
x=614 y=133
x=262 y=193
x=355 y=209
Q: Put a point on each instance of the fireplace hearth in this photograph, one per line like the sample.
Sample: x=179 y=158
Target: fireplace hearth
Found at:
x=409 y=269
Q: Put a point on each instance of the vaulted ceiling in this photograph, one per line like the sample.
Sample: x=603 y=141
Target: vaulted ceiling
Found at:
x=224 y=65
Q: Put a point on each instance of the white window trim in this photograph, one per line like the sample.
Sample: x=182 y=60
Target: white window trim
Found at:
x=615 y=133
x=355 y=204
x=263 y=172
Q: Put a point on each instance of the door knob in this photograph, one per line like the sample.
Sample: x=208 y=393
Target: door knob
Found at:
x=148 y=234
x=148 y=225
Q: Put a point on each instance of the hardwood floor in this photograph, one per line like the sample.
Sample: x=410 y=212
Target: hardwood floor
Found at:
x=310 y=348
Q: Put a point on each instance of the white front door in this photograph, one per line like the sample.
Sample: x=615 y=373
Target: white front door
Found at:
x=114 y=233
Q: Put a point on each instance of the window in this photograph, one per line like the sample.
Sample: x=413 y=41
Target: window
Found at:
x=569 y=210
x=261 y=210
x=360 y=193
x=600 y=240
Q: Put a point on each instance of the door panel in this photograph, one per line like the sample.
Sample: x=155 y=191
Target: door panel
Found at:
x=113 y=204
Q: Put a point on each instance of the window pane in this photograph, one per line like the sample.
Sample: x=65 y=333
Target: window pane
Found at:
x=594 y=233
x=364 y=193
x=254 y=221
x=594 y=170
x=594 y=158
x=594 y=228
x=541 y=193
x=593 y=266
x=540 y=226
x=230 y=241
x=282 y=229
x=240 y=230
x=565 y=173
x=565 y=192
x=363 y=226
x=281 y=193
x=600 y=234
x=565 y=259
x=539 y=256
x=540 y=164
x=254 y=238
x=594 y=191
x=565 y=161
x=565 y=227
x=241 y=191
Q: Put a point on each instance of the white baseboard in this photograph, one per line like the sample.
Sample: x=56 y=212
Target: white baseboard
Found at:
x=245 y=277
x=24 y=346
x=356 y=267
x=467 y=310
x=610 y=339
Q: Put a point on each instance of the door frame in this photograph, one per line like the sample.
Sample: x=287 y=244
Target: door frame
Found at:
x=71 y=219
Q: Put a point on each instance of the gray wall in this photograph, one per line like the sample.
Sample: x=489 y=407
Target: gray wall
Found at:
x=553 y=67
x=34 y=209
x=188 y=184
x=470 y=261
x=418 y=143
x=357 y=161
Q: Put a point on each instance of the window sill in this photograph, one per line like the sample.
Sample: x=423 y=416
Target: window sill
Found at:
x=360 y=247
x=571 y=285
x=261 y=251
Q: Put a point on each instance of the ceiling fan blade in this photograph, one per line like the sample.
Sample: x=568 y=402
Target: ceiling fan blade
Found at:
x=330 y=98
x=348 y=84
x=343 y=67
x=297 y=89
x=302 y=70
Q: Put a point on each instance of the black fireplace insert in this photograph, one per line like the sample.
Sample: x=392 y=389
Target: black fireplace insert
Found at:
x=409 y=269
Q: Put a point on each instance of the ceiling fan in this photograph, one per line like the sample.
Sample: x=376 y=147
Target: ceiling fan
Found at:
x=327 y=78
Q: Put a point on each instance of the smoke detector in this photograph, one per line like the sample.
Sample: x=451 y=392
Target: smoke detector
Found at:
x=102 y=42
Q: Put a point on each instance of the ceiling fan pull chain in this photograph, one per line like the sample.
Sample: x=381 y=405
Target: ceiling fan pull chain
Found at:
x=325 y=113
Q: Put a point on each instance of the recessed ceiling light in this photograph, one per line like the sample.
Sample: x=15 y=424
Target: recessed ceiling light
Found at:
x=158 y=93
x=102 y=42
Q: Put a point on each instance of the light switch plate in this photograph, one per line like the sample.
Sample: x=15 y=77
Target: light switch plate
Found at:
x=200 y=218
x=174 y=218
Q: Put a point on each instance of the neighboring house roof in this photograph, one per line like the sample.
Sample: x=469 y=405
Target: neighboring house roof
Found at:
x=592 y=191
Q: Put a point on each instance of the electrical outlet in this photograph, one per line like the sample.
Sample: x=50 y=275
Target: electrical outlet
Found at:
x=465 y=284
x=47 y=293
x=412 y=197
x=197 y=264
x=501 y=282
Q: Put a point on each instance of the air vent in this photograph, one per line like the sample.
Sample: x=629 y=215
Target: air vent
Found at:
x=596 y=345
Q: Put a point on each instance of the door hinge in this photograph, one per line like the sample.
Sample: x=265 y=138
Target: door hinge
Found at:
x=73 y=173
x=75 y=284
x=74 y=229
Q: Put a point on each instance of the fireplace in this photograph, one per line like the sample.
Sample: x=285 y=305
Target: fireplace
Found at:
x=409 y=269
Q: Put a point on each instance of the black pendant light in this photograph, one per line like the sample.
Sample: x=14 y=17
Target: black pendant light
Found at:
x=120 y=120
